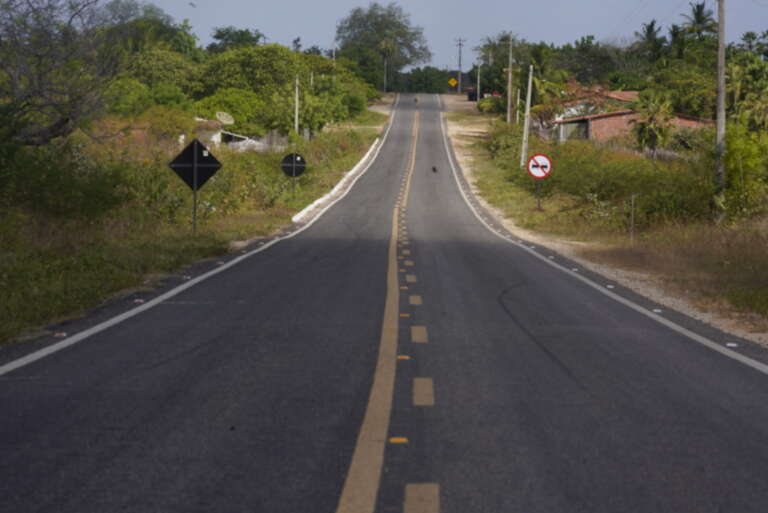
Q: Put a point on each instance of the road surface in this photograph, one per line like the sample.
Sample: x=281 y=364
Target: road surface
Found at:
x=395 y=356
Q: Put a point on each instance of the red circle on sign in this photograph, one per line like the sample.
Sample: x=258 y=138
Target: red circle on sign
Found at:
x=539 y=166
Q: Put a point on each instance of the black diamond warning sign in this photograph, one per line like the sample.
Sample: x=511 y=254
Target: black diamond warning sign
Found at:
x=195 y=165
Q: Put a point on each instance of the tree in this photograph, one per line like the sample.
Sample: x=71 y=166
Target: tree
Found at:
x=233 y=37
x=314 y=50
x=256 y=68
x=424 y=80
x=677 y=41
x=650 y=43
x=652 y=128
x=700 y=22
x=147 y=27
x=588 y=60
x=56 y=59
x=381 y=40
x=156 y=67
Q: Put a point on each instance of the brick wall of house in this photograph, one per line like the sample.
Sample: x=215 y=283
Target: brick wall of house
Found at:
x=601 y=129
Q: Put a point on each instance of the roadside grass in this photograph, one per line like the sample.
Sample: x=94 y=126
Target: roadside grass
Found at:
x=368 y=118
x=720 y=267
x=57 y=264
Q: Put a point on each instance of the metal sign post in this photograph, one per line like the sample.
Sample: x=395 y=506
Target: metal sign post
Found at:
x=194 y=189
x=539 y=167
x=195 y=165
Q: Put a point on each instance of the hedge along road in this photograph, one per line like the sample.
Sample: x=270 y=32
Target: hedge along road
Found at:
x=394 y=356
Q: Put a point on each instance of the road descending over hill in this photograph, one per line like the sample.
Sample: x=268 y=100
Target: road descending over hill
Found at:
x=395 y=356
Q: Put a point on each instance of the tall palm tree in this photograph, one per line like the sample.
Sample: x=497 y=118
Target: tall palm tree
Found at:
x=701 y=22
x=677 y=41
x=650 y=41
x=652 y=128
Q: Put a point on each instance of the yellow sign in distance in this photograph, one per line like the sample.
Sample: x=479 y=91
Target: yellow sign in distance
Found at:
x=452 y=82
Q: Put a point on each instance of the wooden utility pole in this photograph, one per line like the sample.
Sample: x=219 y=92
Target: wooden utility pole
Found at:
x=720 y=143
x=509 y=83
x=527 y=124
x=460 y=43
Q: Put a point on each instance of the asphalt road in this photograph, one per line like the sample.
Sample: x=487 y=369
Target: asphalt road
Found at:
x=267 y=388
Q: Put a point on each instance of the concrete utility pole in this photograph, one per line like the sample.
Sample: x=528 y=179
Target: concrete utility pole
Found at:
x=527 y=124
x=479 y=65
x=509 y=83
x=720 y=145
x=296 y=108
x=385 y=73
x=517 y=107
x=460 y=43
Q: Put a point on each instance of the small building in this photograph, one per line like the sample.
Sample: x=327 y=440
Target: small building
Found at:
x=607 y=125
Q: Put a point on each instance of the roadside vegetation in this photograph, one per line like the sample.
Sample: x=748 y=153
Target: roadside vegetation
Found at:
x=88 y=205
x=646 y=201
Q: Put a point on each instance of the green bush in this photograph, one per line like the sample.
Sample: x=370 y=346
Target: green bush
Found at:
x=245 y=106
x=127 y=97
x=61 y=180
x=602 y=181
x=492 y=105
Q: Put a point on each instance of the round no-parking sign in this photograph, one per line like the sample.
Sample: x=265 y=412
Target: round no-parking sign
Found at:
x=539 y=166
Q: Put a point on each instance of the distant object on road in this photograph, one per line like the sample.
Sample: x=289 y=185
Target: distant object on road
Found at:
x=434 y=169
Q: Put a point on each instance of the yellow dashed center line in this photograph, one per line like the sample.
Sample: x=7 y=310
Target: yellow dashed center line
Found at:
x=419 y=334
x=423 y=392
x=422 y=498
x=361 y=485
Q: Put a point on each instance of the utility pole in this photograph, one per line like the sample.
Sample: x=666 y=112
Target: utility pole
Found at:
x=517 y=107
x=509 y=83
x=460 y=43
x=527 y=124
x=334 y=64
x=479 y=65
x=720 y=145
x=385 y=73
x=296 y=108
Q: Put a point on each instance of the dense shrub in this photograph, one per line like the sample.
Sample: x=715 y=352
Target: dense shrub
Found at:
x=602 y=181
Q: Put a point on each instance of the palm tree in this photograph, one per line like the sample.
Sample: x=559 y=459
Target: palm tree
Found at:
x=650 y=41
x=677 y=41
x=701 y=22
x=749 y=41
x=652 y=128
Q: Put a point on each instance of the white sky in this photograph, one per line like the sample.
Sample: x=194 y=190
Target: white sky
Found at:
x=556 y=21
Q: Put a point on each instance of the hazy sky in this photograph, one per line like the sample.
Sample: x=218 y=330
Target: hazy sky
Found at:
x=557 y=21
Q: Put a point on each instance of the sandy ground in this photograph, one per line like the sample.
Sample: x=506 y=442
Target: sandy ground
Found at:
x=647 y=284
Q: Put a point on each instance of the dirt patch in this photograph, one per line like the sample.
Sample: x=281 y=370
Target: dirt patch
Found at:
x=634 y=273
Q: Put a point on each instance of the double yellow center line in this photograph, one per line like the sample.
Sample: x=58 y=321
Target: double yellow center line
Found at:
x=362 y=483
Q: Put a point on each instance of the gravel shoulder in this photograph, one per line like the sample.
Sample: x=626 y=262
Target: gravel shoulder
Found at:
x=463 y=132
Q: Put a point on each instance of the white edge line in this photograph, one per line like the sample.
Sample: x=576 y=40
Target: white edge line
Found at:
x=78 y=337
x=758 y=366
x=339 y=186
